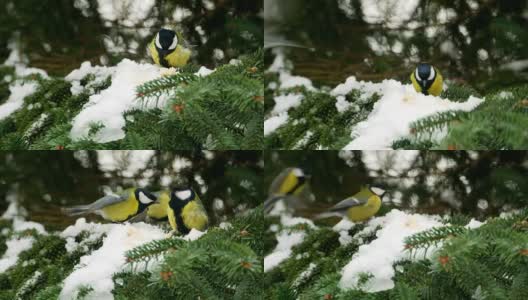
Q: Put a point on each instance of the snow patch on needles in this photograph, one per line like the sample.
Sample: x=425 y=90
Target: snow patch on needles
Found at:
x=283 y=250
x=96 y=269
x=107 y=108
x=16 y=245
x=378 y=257
x=286 y=238
x=19 y=91
x=279 y=114
x=391 y=117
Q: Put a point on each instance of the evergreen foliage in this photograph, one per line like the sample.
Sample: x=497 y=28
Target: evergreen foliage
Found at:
x=221 y=111
x=499 y=123
x=39 y=271
x=225 y=263
x=488 y=262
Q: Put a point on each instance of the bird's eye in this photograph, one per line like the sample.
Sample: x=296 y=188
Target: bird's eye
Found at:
x=432 y=74
x=174 y=43
x=158 y=44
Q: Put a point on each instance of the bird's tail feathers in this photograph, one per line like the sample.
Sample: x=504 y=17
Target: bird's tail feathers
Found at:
x=329 y=214
x=77 y=210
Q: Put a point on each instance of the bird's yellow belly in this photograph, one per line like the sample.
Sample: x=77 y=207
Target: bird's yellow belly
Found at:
x=159 y=211
x=194 y=216
x=120 y=212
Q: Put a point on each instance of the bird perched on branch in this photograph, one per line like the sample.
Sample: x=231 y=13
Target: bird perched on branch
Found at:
x=290 y=185
x=167 y=49
x=427 y=80
x=360 y=207
x=185 y=211
x=131 y=205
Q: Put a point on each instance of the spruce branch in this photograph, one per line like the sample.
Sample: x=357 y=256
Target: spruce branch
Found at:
x=432 y=237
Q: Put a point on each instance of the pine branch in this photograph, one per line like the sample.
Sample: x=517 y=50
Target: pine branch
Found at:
x=157 y=87
x=153 y=249
x=432 y=237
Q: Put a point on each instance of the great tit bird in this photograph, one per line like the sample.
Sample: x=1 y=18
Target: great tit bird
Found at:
x=185 y=211
x=131 y=206
x=427 y=80
x=290 y=185
x=167 y=49
x=360 y=207
x=158 y=211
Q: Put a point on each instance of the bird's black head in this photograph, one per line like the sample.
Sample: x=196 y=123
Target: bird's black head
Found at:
x=180 y=196
x=166 y=39
x=424 y=73
x=145 y=198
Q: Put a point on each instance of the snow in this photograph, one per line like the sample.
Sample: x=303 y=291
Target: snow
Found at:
x=274 y=122
x=286 y=239
x=96 y=269
x=107 y=107
x=283 y=250
x=378 y=257
x=204 y=72
x=342 y=228
x=399 y=106
x=474 y=224
x=75 y=77
x=279 y=114
x=16 y=244
x=285 y=102
x=19 y=91
x=14 y=247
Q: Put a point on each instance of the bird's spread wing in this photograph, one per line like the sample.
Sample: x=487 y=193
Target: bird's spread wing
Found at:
x=347 y=203
x=108 y=200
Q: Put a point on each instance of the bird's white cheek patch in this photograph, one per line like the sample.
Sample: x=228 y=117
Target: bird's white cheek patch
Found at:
x=183 y=194
x=144 y=199
x=174 y=43
x=432 y=74
x=158 y=44
x=298 y=172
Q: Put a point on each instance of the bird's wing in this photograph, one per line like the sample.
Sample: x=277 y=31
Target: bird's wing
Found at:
x=269 y=203
x=348 y=203
x=277 y=182
x=108 y=200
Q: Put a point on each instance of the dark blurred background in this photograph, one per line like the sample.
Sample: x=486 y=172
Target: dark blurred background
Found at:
x=475 y=183
x=479 y=42
x=58 y=36
x=43 y=181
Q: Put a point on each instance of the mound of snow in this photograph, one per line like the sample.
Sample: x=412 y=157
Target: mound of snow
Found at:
x=399 y=106
x=107 y=107
x=97 y=268
x=378 y=257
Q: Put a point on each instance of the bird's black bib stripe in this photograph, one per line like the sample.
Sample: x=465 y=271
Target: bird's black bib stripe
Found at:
x=142 y=206
x=300 y=181
x=162 y=54
x=178 y=206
